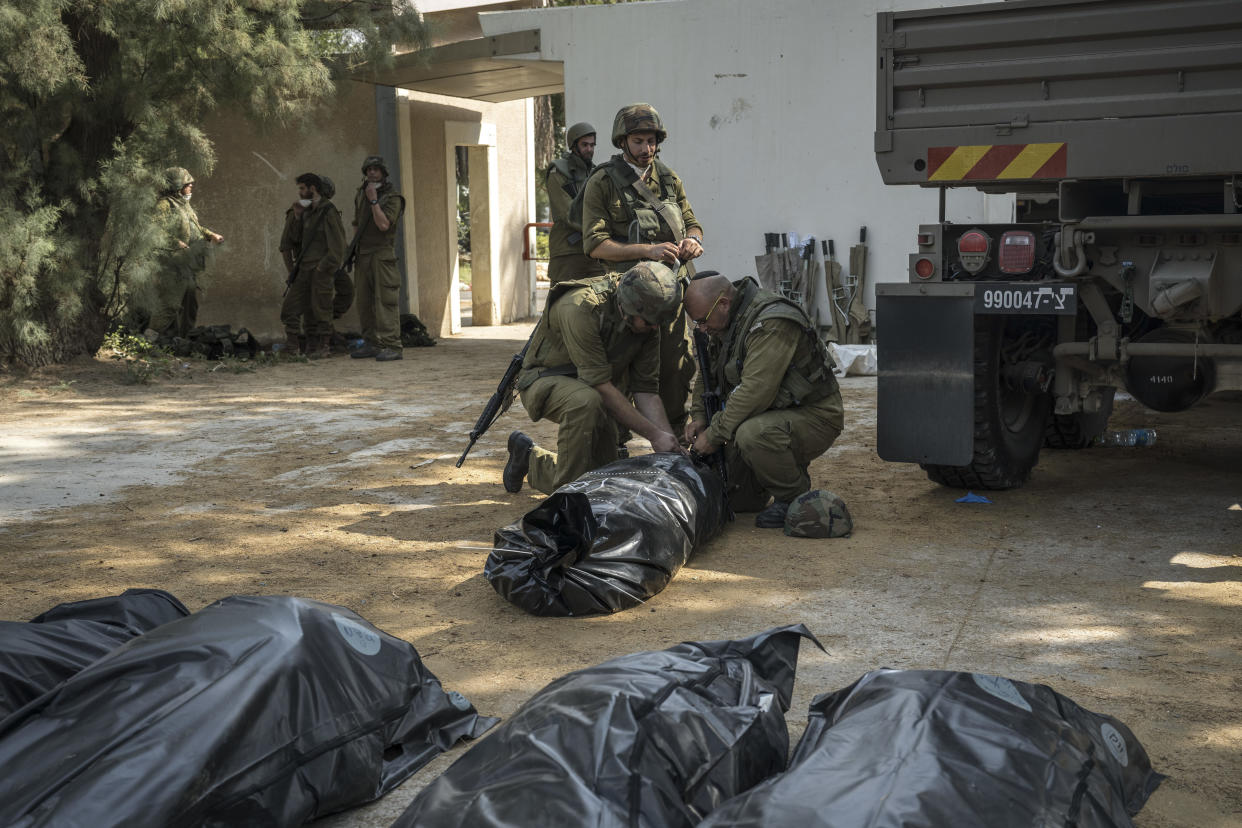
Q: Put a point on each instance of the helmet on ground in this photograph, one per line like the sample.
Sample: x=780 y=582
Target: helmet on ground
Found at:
x=175 y=178
x=375 y=161
x=818 y=514
x=638 y=117
x=649 y=290
x=579 y=130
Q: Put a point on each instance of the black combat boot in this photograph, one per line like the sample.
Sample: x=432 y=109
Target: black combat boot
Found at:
x=519 y=461
x=367 y=351
x=773 y=515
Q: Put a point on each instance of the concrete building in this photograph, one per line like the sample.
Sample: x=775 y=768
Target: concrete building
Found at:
x=418 y=130
x=770 y=109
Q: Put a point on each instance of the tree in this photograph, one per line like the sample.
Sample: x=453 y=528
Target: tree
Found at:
x=98 y=97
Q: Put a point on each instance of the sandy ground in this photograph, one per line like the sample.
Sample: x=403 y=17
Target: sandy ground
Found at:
x=1115 y=576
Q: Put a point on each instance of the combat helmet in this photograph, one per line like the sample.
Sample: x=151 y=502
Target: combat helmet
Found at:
x=818 y=514
x=579 y=130
x=649 y=290
x=375 y=161
x=638 y=117
x=326 y=188
x=175 y=178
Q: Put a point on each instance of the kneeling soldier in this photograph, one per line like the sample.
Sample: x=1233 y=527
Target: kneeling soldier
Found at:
x=597 y=341
x=782 y=404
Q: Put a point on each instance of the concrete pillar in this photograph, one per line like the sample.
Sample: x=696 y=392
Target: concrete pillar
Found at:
x=484 y=235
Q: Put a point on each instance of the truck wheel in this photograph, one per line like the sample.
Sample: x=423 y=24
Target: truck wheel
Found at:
x=1076 y=431
x=1010 y=416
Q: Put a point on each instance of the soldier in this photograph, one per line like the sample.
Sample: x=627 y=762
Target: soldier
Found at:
x=564 y=178
x=377 y=282
x=782 y=404
x=634 y=209
x=597 y=341
x=184 y=258
x=342 y=284
x=319 y=236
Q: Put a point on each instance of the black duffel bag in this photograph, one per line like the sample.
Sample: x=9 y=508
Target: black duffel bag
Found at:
x=609 y=540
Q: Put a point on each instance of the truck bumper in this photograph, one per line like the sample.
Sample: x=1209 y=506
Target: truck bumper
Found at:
x=926 y=386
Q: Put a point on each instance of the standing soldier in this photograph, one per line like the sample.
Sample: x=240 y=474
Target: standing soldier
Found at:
x=783 y=407
x=635 y=209
x=184 y=258
x=564 y=178
x=377 y=282
x=313 y=226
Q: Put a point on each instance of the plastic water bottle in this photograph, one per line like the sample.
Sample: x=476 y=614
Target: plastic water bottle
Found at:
x=1128 y=437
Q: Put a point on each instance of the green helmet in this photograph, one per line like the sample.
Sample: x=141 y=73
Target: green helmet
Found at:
x=818 y=514
x=649 y=290
x=326 y=188
x=175 y=178
x=375 y=161
x=638 y=117
x=578 y=130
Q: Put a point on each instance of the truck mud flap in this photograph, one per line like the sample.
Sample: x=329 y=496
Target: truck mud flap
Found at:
x=925 y=390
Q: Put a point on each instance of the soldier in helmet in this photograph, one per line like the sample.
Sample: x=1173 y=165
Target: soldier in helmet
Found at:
x=635 y=209
x=318 y=236
x=597 y=342
x=184 y=257
x=564 y=178
x=377 y=281
x=783 y=405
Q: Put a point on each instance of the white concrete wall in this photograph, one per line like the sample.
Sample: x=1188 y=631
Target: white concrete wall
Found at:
x=770 y=109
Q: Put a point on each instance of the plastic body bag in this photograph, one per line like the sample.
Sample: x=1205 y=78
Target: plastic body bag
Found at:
x=654 y=739
x=40 y=654
x=932 y=748
x=609 y=540
x=252 y=711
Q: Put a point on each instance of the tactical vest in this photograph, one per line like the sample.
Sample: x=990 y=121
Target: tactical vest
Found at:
x=809 y=377
x=564 y=238
x=644 y=221
x=532 y=369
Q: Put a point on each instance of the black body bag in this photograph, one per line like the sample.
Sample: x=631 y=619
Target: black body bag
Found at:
x=609 y=540
x=38 y=655
x=252 y=711
x=654 y=739
x=912 y=748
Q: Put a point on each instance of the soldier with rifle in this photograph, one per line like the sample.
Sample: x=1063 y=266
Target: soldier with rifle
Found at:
x=563 y=180
x=782 y=407
x=319 y=236
x=598 y=341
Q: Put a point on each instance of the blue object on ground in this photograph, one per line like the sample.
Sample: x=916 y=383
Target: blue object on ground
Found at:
x=971 y=497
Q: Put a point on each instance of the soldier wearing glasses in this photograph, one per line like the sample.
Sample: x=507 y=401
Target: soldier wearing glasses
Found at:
x=782 y=403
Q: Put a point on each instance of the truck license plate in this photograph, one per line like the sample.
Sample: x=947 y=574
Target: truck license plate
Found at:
x=1026 y=297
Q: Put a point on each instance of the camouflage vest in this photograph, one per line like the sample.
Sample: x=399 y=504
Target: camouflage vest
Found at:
x=809 y=377
x=532 y=368
x=644 y=222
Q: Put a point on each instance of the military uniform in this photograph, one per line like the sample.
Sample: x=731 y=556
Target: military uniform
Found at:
x=319 y=236
x=782 y=404
x=580 y=342
x=176 y=308
x=342 y=285
x=377 y=280
x=564 y=178
x=611 y=209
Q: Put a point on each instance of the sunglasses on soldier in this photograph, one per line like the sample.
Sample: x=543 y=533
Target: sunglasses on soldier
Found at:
x=708 y=315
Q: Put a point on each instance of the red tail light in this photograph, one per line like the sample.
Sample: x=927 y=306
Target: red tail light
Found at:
x=1017 y=251
x=924 y=268
x=972 y=250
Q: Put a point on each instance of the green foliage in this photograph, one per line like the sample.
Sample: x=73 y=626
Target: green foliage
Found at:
x=97 y=97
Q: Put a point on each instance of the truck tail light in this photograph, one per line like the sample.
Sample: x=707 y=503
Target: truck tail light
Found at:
x=972 y=250
x=926 y=239
x=924 y=268
x=1017 y=251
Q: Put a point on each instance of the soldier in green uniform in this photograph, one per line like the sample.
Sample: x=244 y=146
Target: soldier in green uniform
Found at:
x=319 y=235
x=183 y=259
x=634 y=208
x=782 y=404
x=377 y=281
x=563 y=180
x=342 y=284
x=597 y=342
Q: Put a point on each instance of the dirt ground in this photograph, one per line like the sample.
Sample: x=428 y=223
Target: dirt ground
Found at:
x=1115 y=577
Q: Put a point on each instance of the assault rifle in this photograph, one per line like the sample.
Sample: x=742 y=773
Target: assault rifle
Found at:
x=500 y=401
x=712 y=405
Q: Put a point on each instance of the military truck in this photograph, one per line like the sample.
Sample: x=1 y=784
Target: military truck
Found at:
x=1117 y=127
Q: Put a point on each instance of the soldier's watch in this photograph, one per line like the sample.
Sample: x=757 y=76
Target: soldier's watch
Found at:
x=375 y=201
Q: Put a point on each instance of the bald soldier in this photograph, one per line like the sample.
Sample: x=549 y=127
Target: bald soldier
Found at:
x=597 y=341
x=563 y=180
x=782 y=406
x=634 y=208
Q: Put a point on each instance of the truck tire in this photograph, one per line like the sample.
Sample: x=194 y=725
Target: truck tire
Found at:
x=1076 y=431
x=1009 y=422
